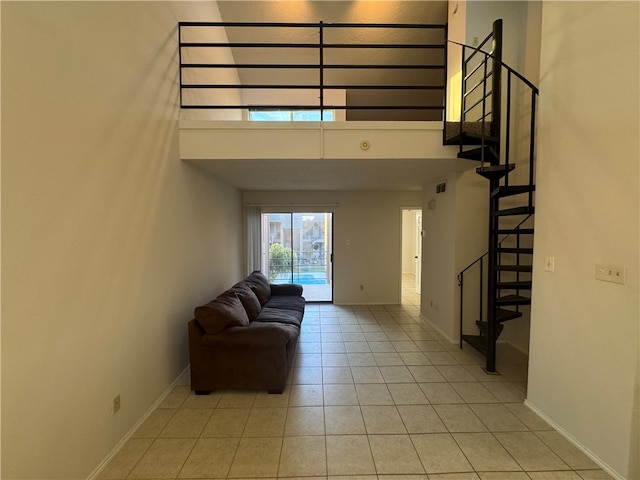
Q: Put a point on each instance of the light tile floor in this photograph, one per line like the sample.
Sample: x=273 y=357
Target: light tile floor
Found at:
x=374 y=395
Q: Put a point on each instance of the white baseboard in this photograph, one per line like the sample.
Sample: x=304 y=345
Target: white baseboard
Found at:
x=178 y=381
x=358 y=304
x=597 y=460
x=439 y=330
x=522 y=351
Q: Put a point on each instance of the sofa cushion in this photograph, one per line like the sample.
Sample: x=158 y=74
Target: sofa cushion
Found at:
x=286 y=289
x=286 y=302
x=249 y=300
x=277 y=315
x=260 y=286
x=224 y=311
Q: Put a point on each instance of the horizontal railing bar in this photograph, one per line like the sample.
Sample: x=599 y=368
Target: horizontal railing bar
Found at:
x=314 y=87
x=509 y=69
x=310 y=45
x=251 y=87
x=517 y=227
x=247 y=45
x=432 y=26
x=383 y=67
x=469 y=91
x=482 y=99
x=481 y=118
x=251 y=65
x=314 y=107
x=313 y=66
x=312 y=25
x=479 y=47
x=469 y=75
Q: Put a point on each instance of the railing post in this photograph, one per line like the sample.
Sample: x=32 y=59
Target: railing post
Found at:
x=496 y=79
x=507 y=135
x=481 y=316
x=461 y=276
x=180 y=60
x=532 y=137
x=484 y=112
x=463 y=86
x=492 y=260
x=446 y=80
x=321 y=64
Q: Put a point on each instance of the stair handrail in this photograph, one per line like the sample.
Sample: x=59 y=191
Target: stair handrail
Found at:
x=480 y=259
x=502 y=64
x=482 y=76
x=510 y=72
x=517 y=227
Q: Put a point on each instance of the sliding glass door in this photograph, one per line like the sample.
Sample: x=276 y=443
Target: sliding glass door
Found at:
x=296 y=248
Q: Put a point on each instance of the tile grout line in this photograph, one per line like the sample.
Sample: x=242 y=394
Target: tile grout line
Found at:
x=388 y=325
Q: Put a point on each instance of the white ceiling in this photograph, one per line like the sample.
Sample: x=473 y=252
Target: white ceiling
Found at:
x=339 y=175
x=345 y=174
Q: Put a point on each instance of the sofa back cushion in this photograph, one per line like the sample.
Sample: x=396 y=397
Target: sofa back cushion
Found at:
x=260 y=286
x=224 y=311
x=249 y=300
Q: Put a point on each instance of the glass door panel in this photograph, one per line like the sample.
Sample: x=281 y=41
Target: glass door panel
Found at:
x=297 y=248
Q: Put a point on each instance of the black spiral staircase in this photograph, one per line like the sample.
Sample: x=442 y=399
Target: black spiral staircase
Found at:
x=497 y=129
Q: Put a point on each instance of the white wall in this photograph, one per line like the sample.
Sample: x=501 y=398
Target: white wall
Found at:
x=108 y=239
x=204 y=76
x=455 y=235
x=438 y=257
x=584 y=333
x=480 y=16
x=367 y=238
x=472 y=235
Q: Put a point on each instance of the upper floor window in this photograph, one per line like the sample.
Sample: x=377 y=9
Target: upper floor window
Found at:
x=262 y=115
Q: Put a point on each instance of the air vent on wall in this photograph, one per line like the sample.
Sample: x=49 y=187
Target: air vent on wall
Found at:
x=441 y=187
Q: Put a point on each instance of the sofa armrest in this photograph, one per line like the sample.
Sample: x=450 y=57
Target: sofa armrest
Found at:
x=286 y=289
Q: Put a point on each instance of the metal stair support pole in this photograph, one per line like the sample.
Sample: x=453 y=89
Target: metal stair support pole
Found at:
x=501 y=307
x=321 y=69
x=494 y=221
x=496 y=97
x=492 y=281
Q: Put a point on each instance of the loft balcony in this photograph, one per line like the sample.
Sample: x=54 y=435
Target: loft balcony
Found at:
x=383 y=86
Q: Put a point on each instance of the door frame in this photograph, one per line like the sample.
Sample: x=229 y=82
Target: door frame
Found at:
x=295 y=232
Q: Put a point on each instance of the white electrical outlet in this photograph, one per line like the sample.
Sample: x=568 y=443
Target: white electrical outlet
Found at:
x=611 y=273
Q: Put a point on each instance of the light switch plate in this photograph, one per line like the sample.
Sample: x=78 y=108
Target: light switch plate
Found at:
x=550 y=264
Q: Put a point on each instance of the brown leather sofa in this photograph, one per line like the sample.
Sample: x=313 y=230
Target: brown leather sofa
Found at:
x=246 y=337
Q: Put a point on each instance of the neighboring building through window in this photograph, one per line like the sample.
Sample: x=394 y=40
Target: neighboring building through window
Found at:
x=262 y=115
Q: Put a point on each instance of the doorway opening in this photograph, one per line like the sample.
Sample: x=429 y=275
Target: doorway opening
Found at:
x=297 y=248
x=411 y=256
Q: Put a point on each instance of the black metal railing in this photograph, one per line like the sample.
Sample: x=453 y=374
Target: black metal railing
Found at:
x=481 y=278
x=497 y=127
x=381 y=70
x=483 y=116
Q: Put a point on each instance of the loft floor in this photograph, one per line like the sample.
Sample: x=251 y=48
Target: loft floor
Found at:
x=350 y=155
